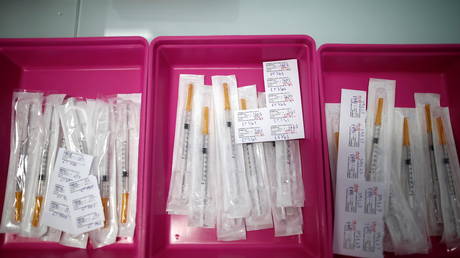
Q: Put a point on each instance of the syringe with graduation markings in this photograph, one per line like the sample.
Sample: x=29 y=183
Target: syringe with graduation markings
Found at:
x=205 y=163
x=371 y=174
x=186 y=141
x=125 y=165
x=42 y=176
x=103 y=152
x=235 y=186
x=436 y=192
x=407 y=172
x=252 y=172
x=451 y=187
x=21 y=171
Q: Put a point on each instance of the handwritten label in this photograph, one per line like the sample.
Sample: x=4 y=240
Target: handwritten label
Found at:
x=85 y=205
x=73 y=203
x=282 y=118
x=358 y=226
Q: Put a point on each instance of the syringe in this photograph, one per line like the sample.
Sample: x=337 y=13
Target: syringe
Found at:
x=105 y=190
x=408 y=172
x=455 y=212
x=43 y=172
x=21 y=171
x=251 y=166
x=371 y=174
x=124 y=170
x=286 y=176
x=436 y=192
x=186 y=140
x=228 y=120
x=103 y=169
x=205 y=162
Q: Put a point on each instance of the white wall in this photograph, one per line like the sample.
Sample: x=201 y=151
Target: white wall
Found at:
x=331 y=21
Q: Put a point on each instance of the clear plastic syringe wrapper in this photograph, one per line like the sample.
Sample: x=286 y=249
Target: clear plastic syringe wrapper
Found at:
x=179 y=187
x=104 y=168
x=52 y=234
x=379 y=127
x=38 y=178
x=228 y=229
x=289 y=187
x=236 y=198
x=203 y=210
x=424 y=103
x=405 y=217
x=76 y=117
x=287 y=220
x=448 y=173
x=413 y=168
x=332 y=132
x=256 y=171
x=26 y=118
x=128 y=111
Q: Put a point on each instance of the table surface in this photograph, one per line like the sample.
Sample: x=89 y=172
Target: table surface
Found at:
x=327 y=21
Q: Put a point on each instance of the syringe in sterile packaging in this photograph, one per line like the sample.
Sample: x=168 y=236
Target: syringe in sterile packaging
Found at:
x=42 y=173
x=371 y=174
x=125 y=166
x=105 y=189
x=290 y=190
x=252 y=172
x=102 y=152
x=451 y=187
x=186 y=141
x=205 y=162
x=407 y=172
x=436 y=192
x=21 y=170
x=235 y=186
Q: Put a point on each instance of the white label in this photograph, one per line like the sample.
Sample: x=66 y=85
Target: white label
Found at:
x=361 y=237
x=72 y=194
x=358 y=225
x=86 y=210
x=282 y=118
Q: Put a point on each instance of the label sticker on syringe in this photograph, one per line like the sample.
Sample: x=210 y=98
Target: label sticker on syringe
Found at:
x=360 y=237
x=355 y=137
x=69 y=166
x=351 y=235
x=279 y=84
x=372 y=237
x=355 y=168
x=282 y=115
x=350 y=163
x=373 y=199
x=86 y=206
x=250 y=117
x=357 y=106
x=353 y=197
x=251 y=125
x=250 y=134
x=361 y=198
x=282 y=87
x=280 y=99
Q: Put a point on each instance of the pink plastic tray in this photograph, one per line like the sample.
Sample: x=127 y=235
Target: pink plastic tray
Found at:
x=416 y=68
x=88 y=67
x=169 y=236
